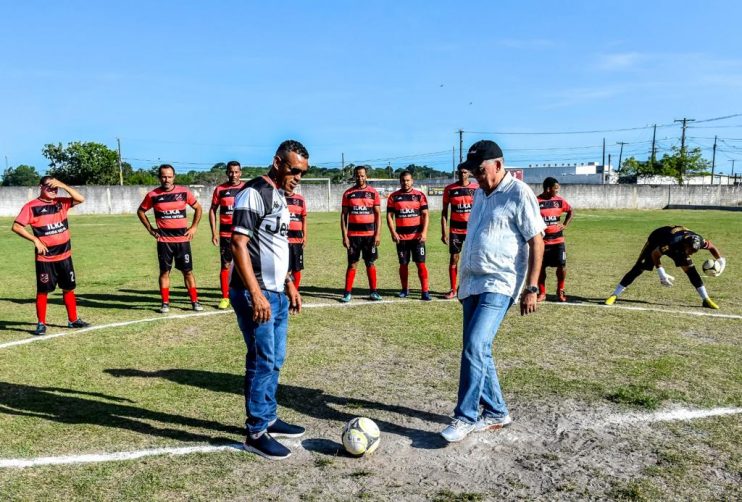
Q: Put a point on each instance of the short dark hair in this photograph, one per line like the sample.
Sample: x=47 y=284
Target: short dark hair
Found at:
x=358 y=168
x=404 y=173
x=550 y=182
x=164 y=166
x=233 y=163
x=44 y=180
x=291 y=145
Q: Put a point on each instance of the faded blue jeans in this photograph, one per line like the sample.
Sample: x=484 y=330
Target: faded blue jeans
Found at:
x=478 y=383
x=266 y=351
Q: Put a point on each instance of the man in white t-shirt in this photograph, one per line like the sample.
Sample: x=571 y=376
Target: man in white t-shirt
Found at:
x=503 y=252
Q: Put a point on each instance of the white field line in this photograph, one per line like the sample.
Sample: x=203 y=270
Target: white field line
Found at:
x=340 y=305
x=613 y=420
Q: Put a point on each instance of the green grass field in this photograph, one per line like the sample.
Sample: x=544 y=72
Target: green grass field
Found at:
x=178 y=382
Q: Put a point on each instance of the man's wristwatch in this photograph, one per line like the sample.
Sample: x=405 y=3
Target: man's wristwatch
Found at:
x=531 y=289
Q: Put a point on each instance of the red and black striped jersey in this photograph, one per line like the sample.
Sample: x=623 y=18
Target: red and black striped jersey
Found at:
x=297 y=212
x=460 y=198
x=224 y=198
x=170 y=212
x=551 y=211
x=407 y=208
x=360 y=204
x=48 y=220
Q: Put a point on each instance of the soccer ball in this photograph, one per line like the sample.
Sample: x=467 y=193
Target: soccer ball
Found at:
x=361 y=436
x=711 y=267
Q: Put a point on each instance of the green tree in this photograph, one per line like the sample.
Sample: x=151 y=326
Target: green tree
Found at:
x=21 y=176
x=84 y=163
x=691 y=163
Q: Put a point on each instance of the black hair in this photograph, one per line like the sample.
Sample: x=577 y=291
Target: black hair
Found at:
x=403 y=174
x=550 y=182
x=291 y=145
x=164 y=166
x=358 y=168
x=44 y=180
x=233 y=163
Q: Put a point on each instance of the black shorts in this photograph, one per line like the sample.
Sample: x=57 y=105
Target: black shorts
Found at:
x=411 y=247
x=225 y=251
x=365 y=246
x=296 y=257
x=49 y=274
x=555 y=255
x=455 y=243
x=178 y=251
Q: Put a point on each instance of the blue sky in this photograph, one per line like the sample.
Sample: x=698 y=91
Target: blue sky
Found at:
x=194 y=83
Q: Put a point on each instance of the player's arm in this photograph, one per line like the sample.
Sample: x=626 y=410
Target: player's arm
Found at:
x=717 y=255
x=665 y=278
x=344 y=226
x=568 y=218
x=142 y=215
x=390 y=224
x=535 y=256
x=425 y=217
x=21 y=230
x=377 y=226
x=304 y=230
x=76 y=196
x=444 y=223
x=197 y=211
x=261 y=308
x=293 y=295
x=212 y=224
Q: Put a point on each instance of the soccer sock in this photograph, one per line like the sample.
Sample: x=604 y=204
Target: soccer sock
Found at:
x=41 y=307
x=371 y=273
x=422 y=273
x=296 y=276
x=542 y=288
x=560 y=285
x=452 y=271
x=619 y=289
x=165 y=294
x=350 y=276
x=224 y=281
x=193 y=294
x=70 y=302
x=403 y=276
x=702 y=292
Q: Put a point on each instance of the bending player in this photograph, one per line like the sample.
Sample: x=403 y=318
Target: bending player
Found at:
x=459 y=196
x=678 y=243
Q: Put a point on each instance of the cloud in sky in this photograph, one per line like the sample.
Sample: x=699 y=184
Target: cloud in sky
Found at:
x=620 y=61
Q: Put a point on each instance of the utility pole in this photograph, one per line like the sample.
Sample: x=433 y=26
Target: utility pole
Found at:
x=461 y=146
x=609 y=161
x=620 y=154
x=342 y=164
x=682 y=146
x=6 y=162
x=121 y=171
x=453 y=161
x=713 y=162
x=603 y=154
x=652 y=155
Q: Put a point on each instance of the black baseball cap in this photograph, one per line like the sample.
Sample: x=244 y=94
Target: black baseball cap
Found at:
x=479 y=152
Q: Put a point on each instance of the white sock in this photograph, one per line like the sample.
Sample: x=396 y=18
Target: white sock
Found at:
x=702 y=292
x=619 y=289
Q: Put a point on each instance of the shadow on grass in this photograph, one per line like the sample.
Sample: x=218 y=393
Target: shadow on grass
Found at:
x=360 y=293
x=70 y=406
x=22 y=327
x=310 y=402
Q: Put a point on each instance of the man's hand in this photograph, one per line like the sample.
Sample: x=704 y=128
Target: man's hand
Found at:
x=527 y=303
x=346 y=242
x=559 y=227
x=40 y=247
x=294 y=298
x=153 y=232
x=191 y=232
x=215 y=240
x=722 y=264
x=444 y=238
x=261 y=307
x=377 y=240
x=423 y=237
x=665 y=278
x=395 y=237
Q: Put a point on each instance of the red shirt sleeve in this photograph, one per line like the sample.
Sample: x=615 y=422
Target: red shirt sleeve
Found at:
x=215 y=197
x=446 y=196
x=24 y=217
x=423 y=201
x=66 y=203
x=190 y=198
x=377 y=199
x=146 y=204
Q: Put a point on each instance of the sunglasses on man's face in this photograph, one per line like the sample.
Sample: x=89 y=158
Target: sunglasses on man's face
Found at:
x=295 y=171
x=50 y=189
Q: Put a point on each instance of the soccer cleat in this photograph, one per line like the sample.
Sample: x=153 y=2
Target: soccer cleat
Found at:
x=425 y=296
x=457 y=430
x=561 y=296
x=280 y=429
x=541 y=297
x=404 y=293
x=492 y=423
x=40 y=329
x=223 y=304
x=78 y=323
x=264 y=445
x=374 y=296
x=450 y=295
x=346 y=298
x=611 y=300
x=196 y=306
x=710 y=304
x=165 y=308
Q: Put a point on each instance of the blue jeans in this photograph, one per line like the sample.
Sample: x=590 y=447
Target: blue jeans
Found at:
x=266 y=351
x=478 y=383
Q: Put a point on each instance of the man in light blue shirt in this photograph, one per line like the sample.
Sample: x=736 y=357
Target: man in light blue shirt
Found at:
x=503 y=252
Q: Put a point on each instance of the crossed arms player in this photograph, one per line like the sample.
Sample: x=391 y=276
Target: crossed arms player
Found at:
x=677 y=243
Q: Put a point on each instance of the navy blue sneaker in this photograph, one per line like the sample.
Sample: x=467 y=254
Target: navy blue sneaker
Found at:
x=40 y=329
x=404 y=293
x=79 y=323
x=425 y=296
x=280 y=429
x=264 y=445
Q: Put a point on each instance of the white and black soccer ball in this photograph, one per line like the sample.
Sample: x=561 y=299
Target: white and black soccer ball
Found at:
x=711 y=267
x=361 y=436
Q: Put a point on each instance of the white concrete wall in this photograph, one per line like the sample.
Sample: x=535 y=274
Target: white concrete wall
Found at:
x=126 y=199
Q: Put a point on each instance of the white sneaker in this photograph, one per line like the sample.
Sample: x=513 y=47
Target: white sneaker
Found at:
x=492 y=423
x=457 y=430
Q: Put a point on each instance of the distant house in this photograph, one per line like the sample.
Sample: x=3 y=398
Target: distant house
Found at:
x=590 y=173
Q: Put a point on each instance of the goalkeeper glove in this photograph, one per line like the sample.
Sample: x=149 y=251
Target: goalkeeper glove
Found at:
x=665 y=278
x=722 y=264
